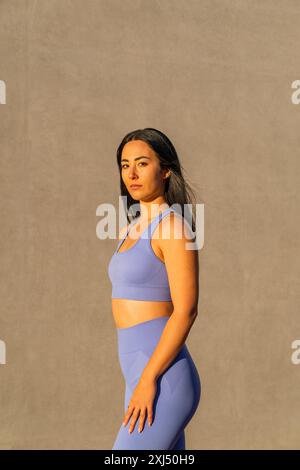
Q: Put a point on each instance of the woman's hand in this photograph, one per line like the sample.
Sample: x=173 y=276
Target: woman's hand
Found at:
x=141 y=402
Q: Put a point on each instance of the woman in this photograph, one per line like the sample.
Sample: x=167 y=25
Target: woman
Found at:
x=154 y=297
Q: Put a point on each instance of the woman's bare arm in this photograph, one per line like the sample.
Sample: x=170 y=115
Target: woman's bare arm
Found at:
x=182 y=268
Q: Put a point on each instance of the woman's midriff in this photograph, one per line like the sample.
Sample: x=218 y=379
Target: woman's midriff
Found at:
x=128 y=312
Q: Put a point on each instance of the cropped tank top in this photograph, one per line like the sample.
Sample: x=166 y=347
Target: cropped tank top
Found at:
x=137 y=273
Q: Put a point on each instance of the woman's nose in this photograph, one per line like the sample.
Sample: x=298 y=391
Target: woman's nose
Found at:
x=132 y=172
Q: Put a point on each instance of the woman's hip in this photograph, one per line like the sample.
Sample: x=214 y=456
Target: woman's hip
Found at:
x=136 y=344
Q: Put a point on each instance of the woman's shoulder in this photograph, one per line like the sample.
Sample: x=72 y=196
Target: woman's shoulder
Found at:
x=179 y=225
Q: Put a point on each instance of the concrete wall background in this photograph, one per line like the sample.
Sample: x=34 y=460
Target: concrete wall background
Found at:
x=216 y=77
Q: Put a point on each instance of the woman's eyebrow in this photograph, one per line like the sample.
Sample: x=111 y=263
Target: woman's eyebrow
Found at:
x=137 y=158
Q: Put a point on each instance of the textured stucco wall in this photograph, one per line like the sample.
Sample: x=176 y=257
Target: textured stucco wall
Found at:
x=215 y=76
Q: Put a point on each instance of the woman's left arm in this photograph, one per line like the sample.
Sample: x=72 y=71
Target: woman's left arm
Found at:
x=182 y=267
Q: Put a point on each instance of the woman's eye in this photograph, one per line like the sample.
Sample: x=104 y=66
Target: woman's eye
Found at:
x=141 y=163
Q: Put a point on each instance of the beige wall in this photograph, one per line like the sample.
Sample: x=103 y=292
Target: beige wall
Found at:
x=216 y=77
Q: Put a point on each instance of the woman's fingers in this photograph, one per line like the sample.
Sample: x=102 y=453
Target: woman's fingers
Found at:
x=142 y=419
x=133 y=420
x=149 y=413
x=135 y=413
x=128 y=414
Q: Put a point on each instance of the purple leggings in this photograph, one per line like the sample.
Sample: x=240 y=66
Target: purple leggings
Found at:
x=178 y=389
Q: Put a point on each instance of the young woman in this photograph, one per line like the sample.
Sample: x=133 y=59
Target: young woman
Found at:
x=155 y=296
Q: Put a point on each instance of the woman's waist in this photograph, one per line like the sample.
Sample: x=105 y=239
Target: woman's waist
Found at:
x=128 y=313
x=143 y=336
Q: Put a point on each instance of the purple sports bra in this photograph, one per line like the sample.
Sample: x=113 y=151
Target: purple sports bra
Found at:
x=137 y=273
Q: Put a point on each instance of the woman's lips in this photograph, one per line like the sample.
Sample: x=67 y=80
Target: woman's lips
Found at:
x=137 y=186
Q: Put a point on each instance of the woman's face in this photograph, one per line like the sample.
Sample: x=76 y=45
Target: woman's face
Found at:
x=141 y=166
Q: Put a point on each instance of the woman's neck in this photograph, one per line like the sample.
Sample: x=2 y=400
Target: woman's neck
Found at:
x=149 y=211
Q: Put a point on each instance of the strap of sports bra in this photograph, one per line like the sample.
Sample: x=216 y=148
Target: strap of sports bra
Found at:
x=148 y=231
x=124 y=236
x=130 y=225
x=152 y=226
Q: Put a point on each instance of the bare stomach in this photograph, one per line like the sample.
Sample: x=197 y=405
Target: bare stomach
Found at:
x=128 y=312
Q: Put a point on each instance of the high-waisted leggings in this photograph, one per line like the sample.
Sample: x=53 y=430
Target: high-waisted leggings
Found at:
x=178 y=389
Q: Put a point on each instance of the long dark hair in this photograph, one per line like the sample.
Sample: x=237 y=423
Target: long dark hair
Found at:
x=177 y=190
